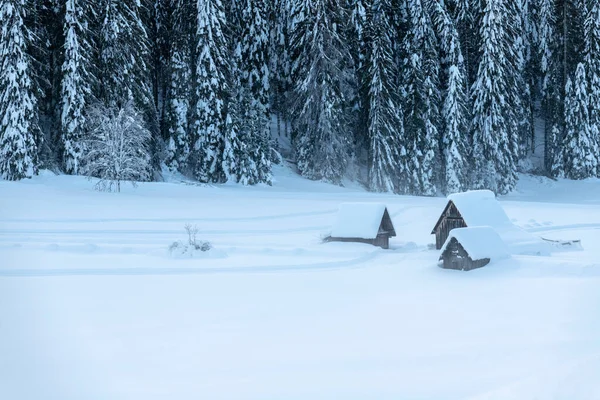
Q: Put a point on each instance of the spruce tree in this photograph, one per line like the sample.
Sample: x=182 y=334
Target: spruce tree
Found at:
x=454 y=138
x=558 y=163
x=359 y=42
x=468 y=14
x=592 y=62
x=44 y=21
x=177 y=109
x=580 y=150
x=252 y=64
x=566 y=48
x=422 y=100
x=210 y=91
x=446 y=30
x=178 y=92
x=546 y=42
x=359 y=24
x=77 y=83
x=518 y=31
x=495 y=161
x=280 y=65
x=124 y=72
x=18 y=148
x=124 y=55
x=551 y=86
x=297 y=17
x=238 y=165
x=388 y=166
x=570 y=21
x=162 y=24
x=322 y=79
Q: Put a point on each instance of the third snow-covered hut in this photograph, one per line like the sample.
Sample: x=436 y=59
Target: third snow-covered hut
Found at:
x=470 y=248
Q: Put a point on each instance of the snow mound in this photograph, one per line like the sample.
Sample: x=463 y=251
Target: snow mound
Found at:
x=480 y=242
x=358 y=220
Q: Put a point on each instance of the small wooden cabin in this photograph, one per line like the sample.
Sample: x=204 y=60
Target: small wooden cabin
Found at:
x=474 y=208
x=363 y=223
x=480 y=208
x=471 y=248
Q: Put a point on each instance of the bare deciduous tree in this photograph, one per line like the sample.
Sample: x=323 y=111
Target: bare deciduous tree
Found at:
x=117 y=147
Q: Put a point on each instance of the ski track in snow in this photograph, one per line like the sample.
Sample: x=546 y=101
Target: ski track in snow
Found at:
x=29 y=232
x=187 y=219
x=570 y=227
x=326 y=266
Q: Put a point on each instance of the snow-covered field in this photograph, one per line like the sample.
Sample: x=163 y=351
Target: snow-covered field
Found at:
x=93 y=306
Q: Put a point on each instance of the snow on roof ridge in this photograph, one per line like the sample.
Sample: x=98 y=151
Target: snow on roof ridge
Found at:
x=479 y=242
x=482 y=194
x=480 y=208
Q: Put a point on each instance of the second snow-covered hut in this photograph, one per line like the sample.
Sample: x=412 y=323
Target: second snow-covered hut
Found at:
x=481 y=208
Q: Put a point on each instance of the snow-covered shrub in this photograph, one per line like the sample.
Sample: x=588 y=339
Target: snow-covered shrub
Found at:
x=117 y=146
x=192 y=231
x=193 y=245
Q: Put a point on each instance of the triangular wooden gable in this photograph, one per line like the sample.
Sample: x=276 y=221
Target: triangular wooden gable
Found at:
x=451 y=211
x=386 y=224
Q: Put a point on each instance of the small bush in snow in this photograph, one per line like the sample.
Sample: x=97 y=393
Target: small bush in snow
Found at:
x=193 y=245
x=180 y=248
x=192 y=231
x=117 y=147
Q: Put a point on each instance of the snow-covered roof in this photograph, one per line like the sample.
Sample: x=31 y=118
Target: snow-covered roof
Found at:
x=481 y=208
x=480 y=242
x=358 y=220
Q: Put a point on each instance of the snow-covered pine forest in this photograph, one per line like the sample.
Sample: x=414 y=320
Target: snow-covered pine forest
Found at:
x=405 y=96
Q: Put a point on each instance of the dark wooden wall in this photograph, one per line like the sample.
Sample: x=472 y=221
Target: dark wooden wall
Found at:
x=451 y=219
x=382 y=241
x=386 y=226
x=455 y=257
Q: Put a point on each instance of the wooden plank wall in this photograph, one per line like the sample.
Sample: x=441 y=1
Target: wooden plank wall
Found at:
x=444 y=229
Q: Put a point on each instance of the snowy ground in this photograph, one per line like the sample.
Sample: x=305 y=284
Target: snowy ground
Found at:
x=92 y=306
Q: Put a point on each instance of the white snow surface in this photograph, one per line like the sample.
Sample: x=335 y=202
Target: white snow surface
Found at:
x=479 y=242
x=93 y=306
x=358 y=220
x=481 y=208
